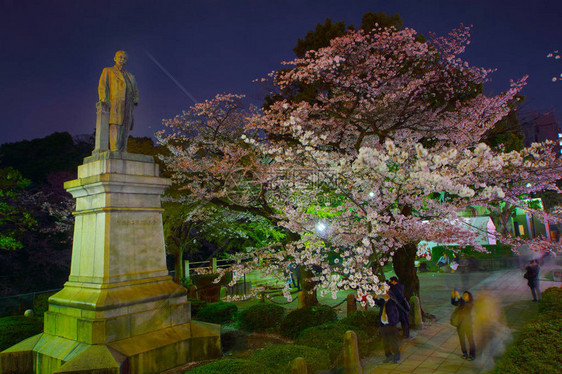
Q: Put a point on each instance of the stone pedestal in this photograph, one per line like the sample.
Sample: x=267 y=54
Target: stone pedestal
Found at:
x=416 y=313
x=119 y=312
x=351 y=361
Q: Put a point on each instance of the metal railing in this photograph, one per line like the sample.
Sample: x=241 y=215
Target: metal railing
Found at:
x=212 y=265
x=18 y=304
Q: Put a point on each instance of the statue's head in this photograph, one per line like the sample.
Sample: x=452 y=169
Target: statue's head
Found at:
x=121 y=58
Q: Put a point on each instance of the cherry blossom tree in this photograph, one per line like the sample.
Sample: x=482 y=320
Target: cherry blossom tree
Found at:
x=210 y=159
x=555 y=55
x=219 y=181
x=385 y=156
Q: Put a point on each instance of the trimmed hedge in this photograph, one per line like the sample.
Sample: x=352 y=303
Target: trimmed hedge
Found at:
x=551 y=301
x=238 y=366
x=301 y=319
x=196 y=306
x=538 y=345
x=278 y=358
x=367 y=321
x=329 y=337
x=17 y=328
x=536 y=350
x=495 y=250
x=260 y=317
x=219 y=312
x=41 y=303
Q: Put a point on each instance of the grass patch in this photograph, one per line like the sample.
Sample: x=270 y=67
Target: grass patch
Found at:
x=231 y=366
x=278 y=358
x=537 y=347
x=14 y=329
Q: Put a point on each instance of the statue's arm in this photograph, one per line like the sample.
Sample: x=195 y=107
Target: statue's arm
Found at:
x=103 y=87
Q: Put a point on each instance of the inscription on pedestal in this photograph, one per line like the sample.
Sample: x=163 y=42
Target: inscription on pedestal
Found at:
x=136 y=222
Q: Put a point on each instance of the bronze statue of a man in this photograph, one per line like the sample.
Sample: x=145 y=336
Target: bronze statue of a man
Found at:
x=118 y=91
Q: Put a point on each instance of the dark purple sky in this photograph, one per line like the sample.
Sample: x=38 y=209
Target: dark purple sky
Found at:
x=52 y=52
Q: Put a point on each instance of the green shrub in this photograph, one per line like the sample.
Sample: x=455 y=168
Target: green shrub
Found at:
x=231 y=366
x=367 y=321
x=260 y=317
x=196 y=306
x=551 y=300
x=427 y=265
x=301 y=319
x=41 y=303
x=538 y=345
x=536 y=350
x=494 y=250
x=329 y=337
x=278 y=358
x=219 y=312
x=17 y=328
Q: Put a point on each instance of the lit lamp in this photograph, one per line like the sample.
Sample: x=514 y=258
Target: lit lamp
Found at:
x=321 y=227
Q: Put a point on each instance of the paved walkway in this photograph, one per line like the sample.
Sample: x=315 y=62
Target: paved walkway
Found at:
x=436 y=348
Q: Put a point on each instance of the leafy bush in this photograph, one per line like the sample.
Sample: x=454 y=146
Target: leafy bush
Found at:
x=41 y=303
x=260 y=317
x=536 y=350
x=278 y=358
x=17 y=328
x=231 y=366
x=551 y=300
x=219 y=312
x=301 y=319
x=538 y=345
x=196 y=306
x=329 y=337
x=494 y=250
x=427 y=266
x=367 y=321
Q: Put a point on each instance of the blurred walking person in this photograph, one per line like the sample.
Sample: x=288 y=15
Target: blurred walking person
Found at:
x=462 y=320
x=532 y=276
x=491 y=333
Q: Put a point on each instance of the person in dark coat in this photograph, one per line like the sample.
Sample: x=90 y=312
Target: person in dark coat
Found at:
x=397 y=291
x=463 y=322
x=532 y=276
x=388 y=319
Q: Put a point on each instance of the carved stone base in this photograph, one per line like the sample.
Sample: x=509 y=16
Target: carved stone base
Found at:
x=149 y=353
x=120 y=311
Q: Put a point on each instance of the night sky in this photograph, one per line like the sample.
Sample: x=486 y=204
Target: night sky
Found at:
x=52 y=52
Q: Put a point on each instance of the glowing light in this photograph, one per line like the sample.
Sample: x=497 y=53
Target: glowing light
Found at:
x=320 y=227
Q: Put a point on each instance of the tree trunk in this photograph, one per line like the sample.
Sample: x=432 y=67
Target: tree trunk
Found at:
x=405 y=269
x=307 y=285
x=178 y=266
x=378 y=270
